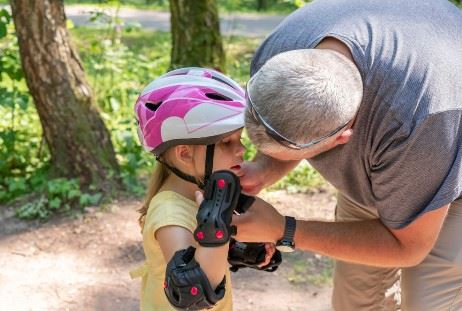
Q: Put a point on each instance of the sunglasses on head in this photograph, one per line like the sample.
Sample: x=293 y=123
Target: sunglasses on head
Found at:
x=281 y=139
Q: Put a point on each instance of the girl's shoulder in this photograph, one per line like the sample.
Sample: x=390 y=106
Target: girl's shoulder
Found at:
x=170 y=201
x=169 y=196
x=170 y=208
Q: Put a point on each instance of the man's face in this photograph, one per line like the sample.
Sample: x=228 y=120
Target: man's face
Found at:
x=287 y=154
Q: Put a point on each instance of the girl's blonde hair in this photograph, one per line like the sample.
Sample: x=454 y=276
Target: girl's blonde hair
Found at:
x=158 y=177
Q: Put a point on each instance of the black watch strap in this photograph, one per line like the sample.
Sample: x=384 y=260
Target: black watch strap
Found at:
x=289 y=230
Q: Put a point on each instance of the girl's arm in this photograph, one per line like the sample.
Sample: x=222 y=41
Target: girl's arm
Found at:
x=213 y=260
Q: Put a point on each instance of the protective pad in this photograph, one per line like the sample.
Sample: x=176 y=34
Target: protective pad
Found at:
x=244 y=203
x=251 y=255
x=215 y=212
x=186 y=285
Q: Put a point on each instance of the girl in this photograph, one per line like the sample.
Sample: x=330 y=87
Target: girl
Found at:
x=191 y=119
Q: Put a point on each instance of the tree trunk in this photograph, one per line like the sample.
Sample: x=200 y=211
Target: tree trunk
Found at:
x=262 y=5
x=79 y=143
x=196 y=39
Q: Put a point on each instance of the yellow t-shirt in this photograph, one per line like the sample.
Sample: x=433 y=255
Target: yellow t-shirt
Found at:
x=167 y=208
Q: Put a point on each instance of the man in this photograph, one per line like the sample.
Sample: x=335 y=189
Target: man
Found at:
x=369 y=92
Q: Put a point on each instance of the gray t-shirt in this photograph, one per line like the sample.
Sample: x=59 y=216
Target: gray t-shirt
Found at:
x=405 y=154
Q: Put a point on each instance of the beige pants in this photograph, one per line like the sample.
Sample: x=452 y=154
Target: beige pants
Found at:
x=433 y=285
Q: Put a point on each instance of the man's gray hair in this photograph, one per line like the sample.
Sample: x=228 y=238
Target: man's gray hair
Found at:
x=303 y=95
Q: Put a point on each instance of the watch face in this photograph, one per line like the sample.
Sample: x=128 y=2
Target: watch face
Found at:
x=285 y=248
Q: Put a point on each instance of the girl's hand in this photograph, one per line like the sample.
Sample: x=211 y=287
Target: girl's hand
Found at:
x=270 y=250
x=199 y=197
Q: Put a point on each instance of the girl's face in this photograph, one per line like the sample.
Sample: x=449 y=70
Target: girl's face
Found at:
x=228 y=154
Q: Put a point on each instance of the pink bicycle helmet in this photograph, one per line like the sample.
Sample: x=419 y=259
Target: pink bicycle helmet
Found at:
x=193 y=106
x=188 y=106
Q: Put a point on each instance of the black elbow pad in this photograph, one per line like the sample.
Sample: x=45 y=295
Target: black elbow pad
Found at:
x=186 y=285
x=221 y=197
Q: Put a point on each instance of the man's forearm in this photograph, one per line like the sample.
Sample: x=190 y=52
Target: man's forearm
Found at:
x=364 y=242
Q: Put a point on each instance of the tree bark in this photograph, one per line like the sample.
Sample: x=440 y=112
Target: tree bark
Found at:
x=79 y=143
x=262 y=5
x=196 y=39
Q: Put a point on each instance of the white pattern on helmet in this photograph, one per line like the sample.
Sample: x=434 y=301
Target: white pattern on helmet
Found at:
x=197 y=123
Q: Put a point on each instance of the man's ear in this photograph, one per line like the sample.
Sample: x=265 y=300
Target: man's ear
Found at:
x=344 y=137
x=184 y=154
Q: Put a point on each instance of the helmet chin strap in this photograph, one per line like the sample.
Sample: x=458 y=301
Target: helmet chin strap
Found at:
x=208 y=163
x=208 y=168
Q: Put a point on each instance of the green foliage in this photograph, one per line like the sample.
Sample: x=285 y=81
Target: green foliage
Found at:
x=274 y=6
x=57 y=195
x=302 y=179
x=239 y=52
x=250 y=149
x=119 y=64
x=144 y=4
x=23 y=157
x=119 y=61
x=5 y=20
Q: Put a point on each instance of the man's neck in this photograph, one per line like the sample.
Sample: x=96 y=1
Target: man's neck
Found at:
x=336 y=45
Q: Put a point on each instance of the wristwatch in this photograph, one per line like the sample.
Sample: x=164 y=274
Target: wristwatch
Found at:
x=286 y=244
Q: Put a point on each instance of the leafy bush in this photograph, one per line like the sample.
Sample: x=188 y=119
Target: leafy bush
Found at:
x=58 y=195
x=23 y=156
x=277 y=6
x=119 y=61
x=302 y=179
x=120 y=65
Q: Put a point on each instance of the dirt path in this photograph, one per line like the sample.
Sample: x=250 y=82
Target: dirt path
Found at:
x=83 y=263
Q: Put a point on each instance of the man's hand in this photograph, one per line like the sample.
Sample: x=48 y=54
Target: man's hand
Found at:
x=261 y=223
x=252 y=175
x=262 y=172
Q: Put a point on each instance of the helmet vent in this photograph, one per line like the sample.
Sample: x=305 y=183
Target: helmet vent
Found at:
x=223 y=81
x=152 y=106
x=217 y=96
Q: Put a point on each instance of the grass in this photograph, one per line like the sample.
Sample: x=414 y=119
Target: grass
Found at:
x=227 y=6
x=224 y=6
x=302 y=179
x=155 y=46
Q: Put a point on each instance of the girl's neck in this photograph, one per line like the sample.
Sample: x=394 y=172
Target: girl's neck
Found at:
x=180 y=186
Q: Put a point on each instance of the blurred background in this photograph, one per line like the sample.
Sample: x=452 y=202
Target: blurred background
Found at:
x=102 y=55
x=72 y=172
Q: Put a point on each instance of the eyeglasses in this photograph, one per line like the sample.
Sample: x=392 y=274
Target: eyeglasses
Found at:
x=275 y=134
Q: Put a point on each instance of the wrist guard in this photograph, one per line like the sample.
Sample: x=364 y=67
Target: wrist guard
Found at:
x=244 y=203
x=215 y=212
x=251 y=255
x=186 y=285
